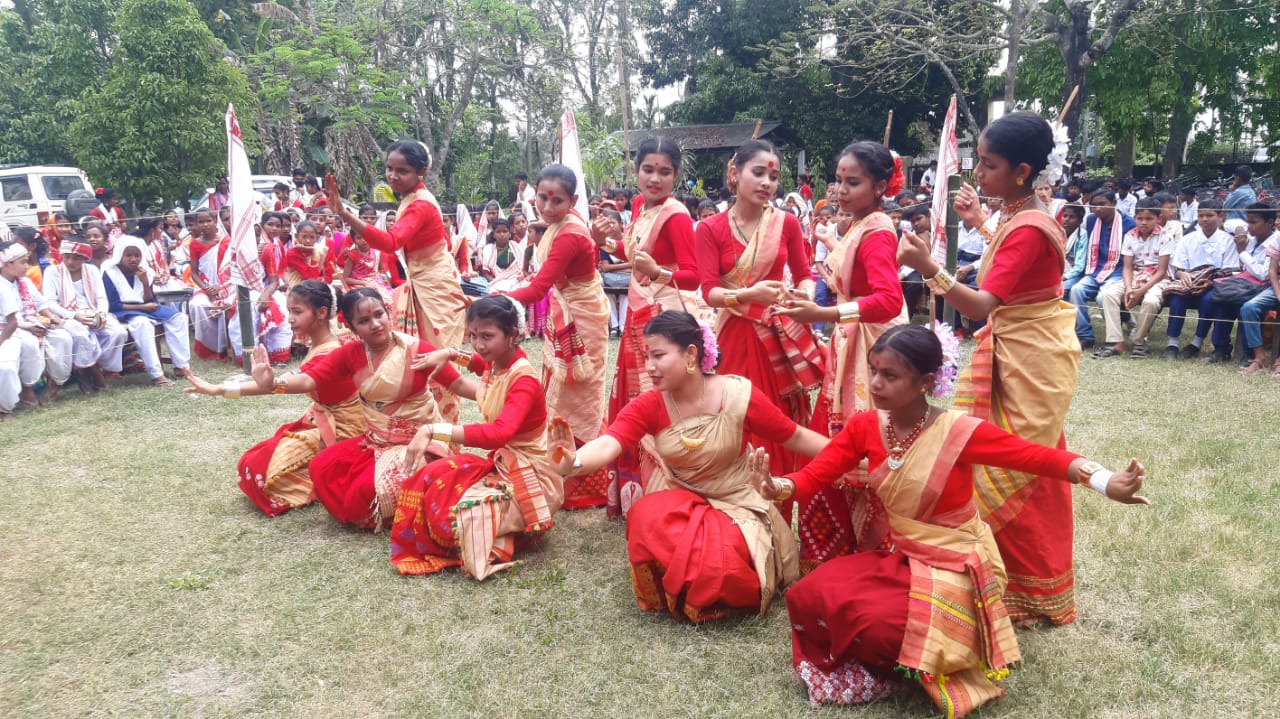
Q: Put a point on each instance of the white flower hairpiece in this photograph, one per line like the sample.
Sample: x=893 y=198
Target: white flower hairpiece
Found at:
x=522 y=327
x=1052 y=172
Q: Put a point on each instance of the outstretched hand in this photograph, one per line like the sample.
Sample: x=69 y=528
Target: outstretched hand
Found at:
x=199 y=386
x=1124 y=485
x=801 y=310
x=432 y=361
x=263 y=375
x=560 y=446
x=761 y=479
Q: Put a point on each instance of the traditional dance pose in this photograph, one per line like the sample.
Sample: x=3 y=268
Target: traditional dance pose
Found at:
x=703 y=542
x=275 y=474
x=473 y=511
x=931 y=604
x=659 y=246
x=1023 y=373
x=575 y=347
x=742 y=255
x=358 y=479
x=430 y=304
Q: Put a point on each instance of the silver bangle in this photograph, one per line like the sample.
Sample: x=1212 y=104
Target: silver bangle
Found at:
x=231 y=389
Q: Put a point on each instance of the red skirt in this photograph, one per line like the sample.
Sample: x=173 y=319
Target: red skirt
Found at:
x=253 y=466
x=627 y=477
x=689 y=559
x=851 y=608
x=423 y=540
x=342 y=476
x=742 y=353
x=1036 y=546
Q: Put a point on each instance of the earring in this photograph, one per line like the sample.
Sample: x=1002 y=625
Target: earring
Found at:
x=691 y=369
x=1019 y=181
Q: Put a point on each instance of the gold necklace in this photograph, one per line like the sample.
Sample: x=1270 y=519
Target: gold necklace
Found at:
x=692 y=442
x=1008 y=211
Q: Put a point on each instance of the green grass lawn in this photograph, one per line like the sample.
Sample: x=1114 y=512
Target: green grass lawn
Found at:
x=136 y=580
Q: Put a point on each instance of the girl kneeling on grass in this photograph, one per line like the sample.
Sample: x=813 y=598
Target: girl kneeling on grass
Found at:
x=931 y=604
x=702 y=540
x=358 y=479
x=473 y=511
x=275 y=474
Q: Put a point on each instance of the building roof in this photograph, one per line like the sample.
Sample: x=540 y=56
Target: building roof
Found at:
x=726 y=136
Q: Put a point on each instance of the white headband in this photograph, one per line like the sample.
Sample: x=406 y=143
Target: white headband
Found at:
x=15 y=251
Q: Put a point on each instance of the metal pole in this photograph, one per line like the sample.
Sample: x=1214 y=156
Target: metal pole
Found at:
x=243 y=308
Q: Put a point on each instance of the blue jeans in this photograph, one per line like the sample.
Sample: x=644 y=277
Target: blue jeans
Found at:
x=1251 y=314
x=824 y=297
x=1081 y=294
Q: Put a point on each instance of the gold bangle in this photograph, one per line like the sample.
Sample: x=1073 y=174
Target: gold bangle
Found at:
x=942 y=282
x=1087 y=470
x=231 y=389
x=442 y=432
x=730 y=298
x=460 y=358
x=664 y=277
x=610 y=245
x=849 y=312
x=786 y=489
x=986 y=234
x=282 y=386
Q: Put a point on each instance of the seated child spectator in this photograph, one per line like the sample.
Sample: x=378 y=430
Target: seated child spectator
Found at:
x=1106 y=230
x=1073 y=226
x=1145 y=255
x=615 y=276
x=77 y=295
x=1201 y=251
x=1262 y=224
x=1126 y=201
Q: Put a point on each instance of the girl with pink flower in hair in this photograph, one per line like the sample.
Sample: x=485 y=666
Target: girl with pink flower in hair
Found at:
x=703 y=542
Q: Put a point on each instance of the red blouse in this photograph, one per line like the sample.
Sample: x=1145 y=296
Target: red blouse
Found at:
x=875 y=278
x=342 y=364
x=572 y=256
x=524 y=410
x=1025 y=262
x=674 y=246
x=299 y=260
x=335 y=390
x=989 y=445
x=717 y=249
x=272 y=258
x=647 y=414
x=418 y=227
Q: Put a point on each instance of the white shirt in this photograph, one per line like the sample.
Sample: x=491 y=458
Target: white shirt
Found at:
x=1146 y=253
x=1187 y=211
x=53 y=289
x=1127 y=205
x=928 y=177
x=1196 y=250
x=1255 y=260
x=527 y=194
x=10 y=302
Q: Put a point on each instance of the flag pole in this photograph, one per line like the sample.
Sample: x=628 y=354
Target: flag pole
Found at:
x=1067 y=106
x=888 y=125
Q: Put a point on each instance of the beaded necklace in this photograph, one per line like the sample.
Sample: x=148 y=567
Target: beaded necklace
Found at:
x=899 y=448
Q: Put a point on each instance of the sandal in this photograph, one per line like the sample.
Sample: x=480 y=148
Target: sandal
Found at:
x=1138 y=352
x=1254 y=367
x=1106 y=352
x=161 y=381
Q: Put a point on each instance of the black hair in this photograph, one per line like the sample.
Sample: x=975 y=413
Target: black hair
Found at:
x=1105 y=193
x=662 y=146
x=298 y=171
x=105 y=193
x=500 y=222
x=317 y=295
x=312 y=181
x=829 y=207
x=492 y=204
x=1215 y=205
x=750 y=149
x=561 y=174
x=1156 y=186
x=1150 y=204
x=1074 y=208
x=891 y=207
x=522 y=176
x=724 y=194
x=415 y=153
x=1244 y=173
x=1163 y=197
x=350 y=300
x=679 y=328
x=147 y=223
x=280 y=186
x=1125 y=185
x=874 y=158
x=918 y=345
x=224 y=208
x=913 y=212
x=497 y=309
x=1021 y=137
x=707 y=205
x=611 y=214
x=1187 y=191
x=298 y=228
x=1264 y=210
x=366 y=208
x=1074 y=183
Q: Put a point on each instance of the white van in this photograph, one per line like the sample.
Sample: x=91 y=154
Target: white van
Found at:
x=29 y=193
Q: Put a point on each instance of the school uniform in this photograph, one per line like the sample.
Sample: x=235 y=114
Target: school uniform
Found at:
x=1146 y=254
x=1198 y=250
x=53 y=350
x=1256 y=261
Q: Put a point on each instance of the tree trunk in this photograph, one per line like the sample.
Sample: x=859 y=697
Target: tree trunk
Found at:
x=1180 y=123
x=1073 y=46
x=1017 y=15
x=1126 y=152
